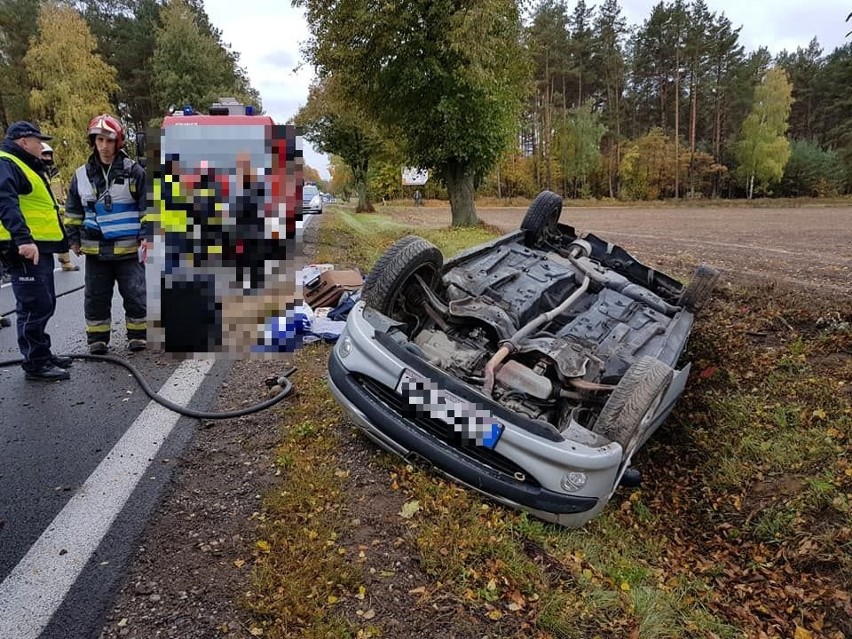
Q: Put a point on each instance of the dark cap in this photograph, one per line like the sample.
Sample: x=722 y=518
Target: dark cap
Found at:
x=23 y=129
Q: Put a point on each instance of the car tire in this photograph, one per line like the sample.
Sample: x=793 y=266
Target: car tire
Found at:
x=391 y=288
x=384 y=261
x=633 y=403
x=699 y=289
x=541 y=217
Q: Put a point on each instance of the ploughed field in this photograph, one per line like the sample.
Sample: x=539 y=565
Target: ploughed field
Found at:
x=810 y=246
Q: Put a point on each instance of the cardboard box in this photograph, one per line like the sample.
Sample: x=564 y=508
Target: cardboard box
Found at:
x=327 y=288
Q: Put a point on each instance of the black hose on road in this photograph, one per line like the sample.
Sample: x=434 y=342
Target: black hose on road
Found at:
x=282 y=381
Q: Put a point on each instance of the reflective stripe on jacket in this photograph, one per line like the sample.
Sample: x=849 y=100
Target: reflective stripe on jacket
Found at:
x=113 y=233
x=120 y=218
x=38 y=207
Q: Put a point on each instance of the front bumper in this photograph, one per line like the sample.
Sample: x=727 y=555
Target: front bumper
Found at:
x=524 y=470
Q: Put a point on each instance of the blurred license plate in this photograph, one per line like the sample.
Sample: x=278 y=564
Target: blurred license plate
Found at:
x=468 y=419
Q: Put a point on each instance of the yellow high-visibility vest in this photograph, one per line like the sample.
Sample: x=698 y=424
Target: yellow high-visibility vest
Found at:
x=172 y=220
x=38 y=208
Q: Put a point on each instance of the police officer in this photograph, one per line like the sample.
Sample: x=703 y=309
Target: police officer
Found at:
x=31 y=232
x=105 y=215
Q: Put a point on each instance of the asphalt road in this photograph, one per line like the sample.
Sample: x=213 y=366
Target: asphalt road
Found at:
x=83 y=464
x=65 y=534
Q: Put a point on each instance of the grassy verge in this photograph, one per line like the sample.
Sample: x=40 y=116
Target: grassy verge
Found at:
x=743 y=527
x=298 y=567
x=350 y=240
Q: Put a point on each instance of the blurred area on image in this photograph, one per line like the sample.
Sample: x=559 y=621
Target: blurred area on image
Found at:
x=227 y=197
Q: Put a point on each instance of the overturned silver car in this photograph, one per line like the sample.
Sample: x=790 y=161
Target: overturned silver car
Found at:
x=531 y=368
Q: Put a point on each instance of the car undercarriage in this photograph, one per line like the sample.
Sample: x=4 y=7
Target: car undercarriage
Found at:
x=568 y=338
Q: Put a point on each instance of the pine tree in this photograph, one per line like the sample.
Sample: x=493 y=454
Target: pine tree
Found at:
x=189 y=67
x=18 y=24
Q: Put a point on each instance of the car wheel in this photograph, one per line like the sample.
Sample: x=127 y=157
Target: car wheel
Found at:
x=699 y=289
x=383 y=262
x=392 y=287
x=541 y=217
x=633 y=403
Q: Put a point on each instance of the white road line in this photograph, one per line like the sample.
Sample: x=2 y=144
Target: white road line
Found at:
x=36 y=587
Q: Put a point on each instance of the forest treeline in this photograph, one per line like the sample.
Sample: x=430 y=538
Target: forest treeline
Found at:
x=61 y=63
x=672 y=107
x=496 y=97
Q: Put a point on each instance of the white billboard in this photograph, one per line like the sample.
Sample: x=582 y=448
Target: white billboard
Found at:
x=414 y=177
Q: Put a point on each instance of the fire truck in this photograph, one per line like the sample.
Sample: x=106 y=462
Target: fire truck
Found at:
x=229 y=130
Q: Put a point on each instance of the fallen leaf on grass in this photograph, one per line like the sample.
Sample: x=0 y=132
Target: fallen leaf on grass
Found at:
x=409 y=509
x=495 y=615
x=239 y=563
x=418 y=591
x=801 y=633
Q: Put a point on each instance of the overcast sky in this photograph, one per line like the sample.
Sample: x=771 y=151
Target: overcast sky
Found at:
x=267 y=34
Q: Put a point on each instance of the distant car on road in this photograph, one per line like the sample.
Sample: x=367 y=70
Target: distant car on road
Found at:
x=312 y=201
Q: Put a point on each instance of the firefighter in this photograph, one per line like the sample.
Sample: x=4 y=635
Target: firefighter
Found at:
x=30 y=232
x=105 y=216
x=58 y=191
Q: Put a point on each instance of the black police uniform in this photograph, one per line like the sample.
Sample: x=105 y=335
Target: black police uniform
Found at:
x=32 y=284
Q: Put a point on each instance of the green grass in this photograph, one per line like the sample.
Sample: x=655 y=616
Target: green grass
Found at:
x=358 y=240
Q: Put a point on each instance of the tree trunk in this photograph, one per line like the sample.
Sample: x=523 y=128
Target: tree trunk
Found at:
x=499 y=190
x=693 y=117
x=359 y=175
x=677 y=131
x=563 y=142
x=459 y=181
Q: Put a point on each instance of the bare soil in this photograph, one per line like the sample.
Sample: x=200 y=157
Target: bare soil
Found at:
x=184 y=582
x=802 y=246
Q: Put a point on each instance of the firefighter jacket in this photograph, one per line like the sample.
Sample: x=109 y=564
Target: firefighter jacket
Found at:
x=28 y=211
x=105 y=212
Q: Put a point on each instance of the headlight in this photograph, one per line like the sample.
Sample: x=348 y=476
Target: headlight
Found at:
x=345 y=347
x=573 y=482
